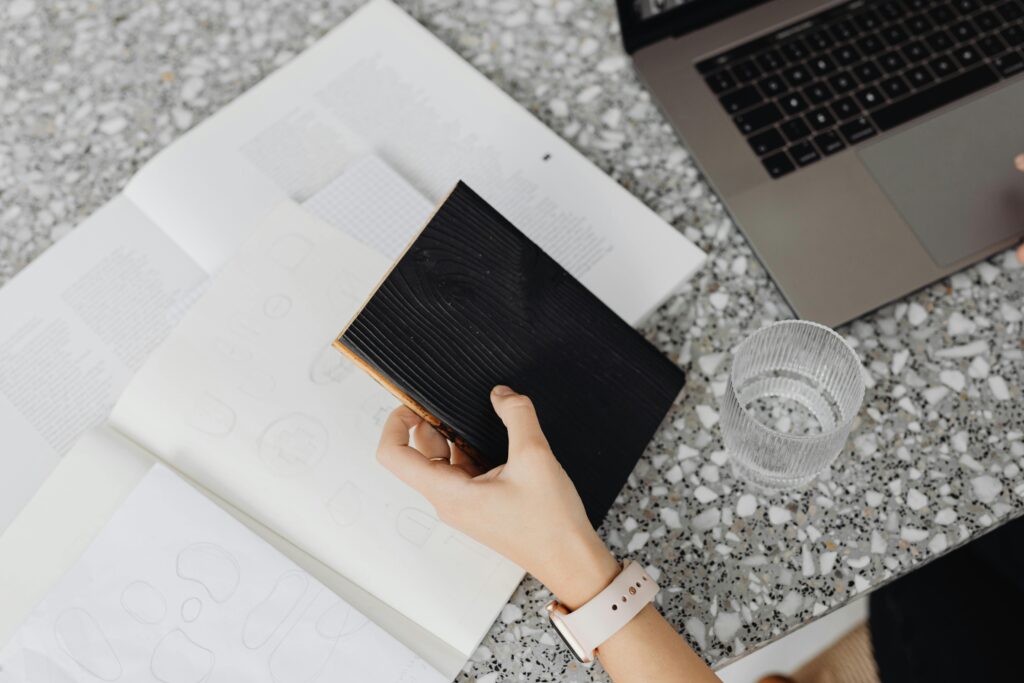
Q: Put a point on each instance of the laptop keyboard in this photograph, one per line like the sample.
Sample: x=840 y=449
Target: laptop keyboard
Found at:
x=842 y=76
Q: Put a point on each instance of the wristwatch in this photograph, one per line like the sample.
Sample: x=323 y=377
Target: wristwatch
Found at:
x=585 y=629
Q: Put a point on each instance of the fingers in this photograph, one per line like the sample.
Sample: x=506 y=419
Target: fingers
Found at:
x=1020 y=253
x=429 y=442
x=520 y=418
x=434 y=480
x=461 y=460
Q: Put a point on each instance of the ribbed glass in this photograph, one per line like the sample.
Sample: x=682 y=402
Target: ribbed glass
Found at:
x=793 y=391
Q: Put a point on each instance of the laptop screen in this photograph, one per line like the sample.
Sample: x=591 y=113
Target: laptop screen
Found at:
x=647 y=21
x=646 y=9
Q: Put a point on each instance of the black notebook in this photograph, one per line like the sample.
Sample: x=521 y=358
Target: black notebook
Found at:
x=473 y=303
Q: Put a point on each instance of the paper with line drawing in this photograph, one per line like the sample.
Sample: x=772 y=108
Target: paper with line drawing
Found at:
x=248 y=399
x=175 y=590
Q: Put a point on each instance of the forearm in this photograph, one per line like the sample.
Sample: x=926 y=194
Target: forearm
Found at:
x=647 y=649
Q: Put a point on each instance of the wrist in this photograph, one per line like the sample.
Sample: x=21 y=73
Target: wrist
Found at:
x=585 y=568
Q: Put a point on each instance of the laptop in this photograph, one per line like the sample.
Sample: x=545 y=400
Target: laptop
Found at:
x=864 y=148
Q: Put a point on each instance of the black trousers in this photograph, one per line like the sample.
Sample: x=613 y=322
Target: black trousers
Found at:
x=959 y=618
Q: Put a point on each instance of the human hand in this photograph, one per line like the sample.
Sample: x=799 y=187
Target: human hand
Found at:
x=527 y=509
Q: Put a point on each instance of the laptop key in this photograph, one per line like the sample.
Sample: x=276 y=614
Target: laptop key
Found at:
x=795 y=51
x=1009 y=64
x=939 y=41
x=745 y=71
x=894 y=35
x=992 y=45
x=823 y=65
x=919 y=76
x=867 y=73
x=870 y=98
x=842 y=82
x=1010 y=11
x=891 y=62
x=895 y=87
x=795 y=129
x=778 y=165
x=829 y=142
x=804 y=153
x=818 y=92
x=1013 y=35
x=967 y=56
x=757 y=118
x=891 y=10
x=846 y=55
x=934 y=97
x=868 y=21
x=917 y=25
x=915 y=51
x=963 y=31
x=987 y=21
x=870 y=45
x=741 y=99
x=772 y=86
x=821 y=119
x=821 y=40
x=942 y=66
x=844 y=108
x=965 y=7
x=856 y=130
x=941 y=15
x=768 y=141
x=720 y=81
x=796 y=76
x=843 y=31
x=770 y=60
x=793 y=103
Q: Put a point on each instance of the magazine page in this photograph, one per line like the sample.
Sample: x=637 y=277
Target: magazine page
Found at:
x=75 y=324
x=381 y=84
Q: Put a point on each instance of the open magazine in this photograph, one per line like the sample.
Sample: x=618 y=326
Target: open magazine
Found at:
x=369 y=127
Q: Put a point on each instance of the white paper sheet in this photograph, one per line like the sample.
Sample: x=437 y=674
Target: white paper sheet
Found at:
x=248 y=398
x=380 y=83
x=373 y=204
x=74 y=326
x=176 y=590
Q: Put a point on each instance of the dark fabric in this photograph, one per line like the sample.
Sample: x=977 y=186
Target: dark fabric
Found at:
x=958 y=618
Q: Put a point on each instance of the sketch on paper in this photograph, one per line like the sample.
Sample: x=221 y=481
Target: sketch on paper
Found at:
x=212 y=567
x=145 y=603
x=211 y=416
x=267 y=617
x=293 y=444
x=83 y=640
x=277 y=306
x=191 y=609
x=179 y=659
x=109 y=620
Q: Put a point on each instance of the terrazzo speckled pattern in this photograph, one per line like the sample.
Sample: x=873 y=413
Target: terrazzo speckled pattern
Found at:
x=90 y=90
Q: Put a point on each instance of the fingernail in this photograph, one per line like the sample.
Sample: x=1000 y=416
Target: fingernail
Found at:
x=502 y=390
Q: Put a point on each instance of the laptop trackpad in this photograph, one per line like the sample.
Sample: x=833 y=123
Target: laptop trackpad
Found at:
x=952 y=177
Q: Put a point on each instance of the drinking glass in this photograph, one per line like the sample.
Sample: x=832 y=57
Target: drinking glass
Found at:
x=793 y=392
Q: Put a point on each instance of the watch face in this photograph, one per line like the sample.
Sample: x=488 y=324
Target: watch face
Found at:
x=557 y=625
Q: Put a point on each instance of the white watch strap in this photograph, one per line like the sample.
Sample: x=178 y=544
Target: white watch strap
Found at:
x=612 y=608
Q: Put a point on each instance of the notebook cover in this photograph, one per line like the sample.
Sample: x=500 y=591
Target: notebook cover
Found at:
x=473 y=303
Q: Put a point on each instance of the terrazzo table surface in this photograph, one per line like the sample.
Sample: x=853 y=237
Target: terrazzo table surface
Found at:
x=90 y=90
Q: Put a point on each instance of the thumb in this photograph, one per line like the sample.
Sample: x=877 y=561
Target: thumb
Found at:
x=520 y=418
